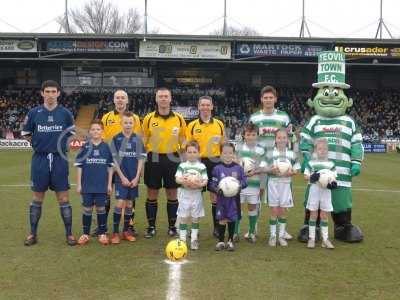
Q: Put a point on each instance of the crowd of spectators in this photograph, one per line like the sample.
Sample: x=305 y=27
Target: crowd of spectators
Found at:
x=15 y=104
x=376 y=112
x=143 y=99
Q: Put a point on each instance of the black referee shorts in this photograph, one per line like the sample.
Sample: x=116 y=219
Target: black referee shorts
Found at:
x=160 y=170
x=210 y=163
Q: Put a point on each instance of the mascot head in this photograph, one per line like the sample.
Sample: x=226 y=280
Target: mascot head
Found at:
x=330 y=100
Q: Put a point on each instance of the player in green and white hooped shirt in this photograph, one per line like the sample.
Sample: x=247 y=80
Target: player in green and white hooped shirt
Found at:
x=190 y=197
x=253 y=155
x=319 y=199
x=279 y=186
x=269 y=120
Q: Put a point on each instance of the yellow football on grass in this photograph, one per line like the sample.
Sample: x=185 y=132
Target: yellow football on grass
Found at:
x=176 y=250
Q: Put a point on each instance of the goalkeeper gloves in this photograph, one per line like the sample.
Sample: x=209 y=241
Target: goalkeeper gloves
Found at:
x=314 y=177
x=332 y=185
x=355 y=169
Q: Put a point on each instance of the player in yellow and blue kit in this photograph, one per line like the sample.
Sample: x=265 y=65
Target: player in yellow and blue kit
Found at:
x=48 y=127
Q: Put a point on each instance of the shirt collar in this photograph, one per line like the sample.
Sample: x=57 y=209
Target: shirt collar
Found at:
x=45 y=108
x=131 y=136
x=269 y=114
x=229 y=165
x=116 y=112
x=202 y=122
x=171 y=114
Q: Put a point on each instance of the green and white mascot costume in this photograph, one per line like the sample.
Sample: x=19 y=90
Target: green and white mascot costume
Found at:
x=344 y=141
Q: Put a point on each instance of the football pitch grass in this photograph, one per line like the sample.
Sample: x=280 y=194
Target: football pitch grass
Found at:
x=53 y=270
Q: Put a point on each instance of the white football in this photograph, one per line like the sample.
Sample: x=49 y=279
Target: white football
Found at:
x=230 y=186
x=326 y=176
x=193 y=176
x=248 y=164
x=284 y=166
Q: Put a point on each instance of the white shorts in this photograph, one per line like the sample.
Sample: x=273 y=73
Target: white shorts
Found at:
x=279 y=194
x=250 y=195
x=319 y=198
x=250 y=199
x=190 y=204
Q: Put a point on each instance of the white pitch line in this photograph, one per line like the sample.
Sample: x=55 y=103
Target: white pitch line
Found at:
x=174 y=279
x=373 y=190
x=360 y=189
x=14 y=185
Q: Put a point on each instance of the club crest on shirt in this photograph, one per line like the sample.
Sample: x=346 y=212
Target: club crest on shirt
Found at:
x=154 y=124
x=198 y=130
x=96 y=152
x=50 y=119
x=175 y=130
x=216 y=139
x=128 y=145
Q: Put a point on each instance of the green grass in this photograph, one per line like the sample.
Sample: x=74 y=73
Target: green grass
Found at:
x=51 y=269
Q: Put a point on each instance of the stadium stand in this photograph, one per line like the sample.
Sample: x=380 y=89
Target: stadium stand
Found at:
x=15 y=104
x=376 y=111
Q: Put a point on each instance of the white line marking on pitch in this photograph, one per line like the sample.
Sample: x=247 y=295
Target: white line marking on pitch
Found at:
x=360 y=189
x=174 y=279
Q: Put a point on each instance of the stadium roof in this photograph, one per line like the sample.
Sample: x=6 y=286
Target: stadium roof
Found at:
x=385 y=52
x=198 y=38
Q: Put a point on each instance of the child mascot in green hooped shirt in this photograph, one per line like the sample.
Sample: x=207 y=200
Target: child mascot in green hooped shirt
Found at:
x=344 y=142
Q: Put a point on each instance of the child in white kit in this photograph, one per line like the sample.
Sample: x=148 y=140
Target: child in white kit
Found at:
x=319 y=197
x=192 y=175
x=254 y=154
x=279 y=186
